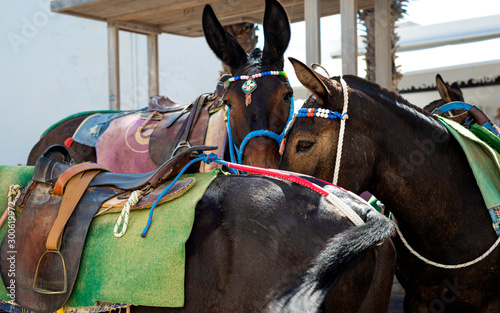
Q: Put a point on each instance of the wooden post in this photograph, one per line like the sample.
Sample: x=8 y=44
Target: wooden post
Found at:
x=153 y=77
x=383 y=64
x=312 y=11
x=349 y=36
x=113 y=67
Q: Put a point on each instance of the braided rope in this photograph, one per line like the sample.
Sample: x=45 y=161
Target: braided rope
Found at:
x=14 y=194
x=206 y=158
x=341 y=133
x=124 y=215
x=148 y=119
x=446 y=266
x=344 y=209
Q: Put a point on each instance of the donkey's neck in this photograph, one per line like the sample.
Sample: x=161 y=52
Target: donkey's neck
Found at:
x=424 y=178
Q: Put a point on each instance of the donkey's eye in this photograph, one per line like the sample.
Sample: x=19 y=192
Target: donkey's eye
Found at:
x=304 y=146
x=287 y=97
x=226 y=103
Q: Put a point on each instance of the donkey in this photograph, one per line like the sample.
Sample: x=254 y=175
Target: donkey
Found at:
x=406 y=158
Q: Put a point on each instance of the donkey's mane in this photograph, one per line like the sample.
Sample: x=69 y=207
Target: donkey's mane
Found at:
x=380 y=93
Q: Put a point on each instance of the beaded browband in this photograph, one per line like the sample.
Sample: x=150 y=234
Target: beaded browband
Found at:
x=250 y=85
x=319 y=112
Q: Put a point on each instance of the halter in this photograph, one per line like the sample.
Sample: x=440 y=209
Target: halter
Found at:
x=328 y=114
x=248 y=88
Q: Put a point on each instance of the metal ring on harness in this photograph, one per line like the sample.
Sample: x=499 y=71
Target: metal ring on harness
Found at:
x=182 y=144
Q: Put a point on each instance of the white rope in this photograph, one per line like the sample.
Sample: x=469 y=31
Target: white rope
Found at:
x=341 y=133
x=456 y=266
x=124 y=215
x=344 y=209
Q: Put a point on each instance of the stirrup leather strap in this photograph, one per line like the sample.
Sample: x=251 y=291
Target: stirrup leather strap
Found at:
x=75 y=189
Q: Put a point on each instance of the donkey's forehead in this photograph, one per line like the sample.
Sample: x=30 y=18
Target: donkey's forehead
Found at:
x=332 y=102
x=255 y=64
x=334 y=85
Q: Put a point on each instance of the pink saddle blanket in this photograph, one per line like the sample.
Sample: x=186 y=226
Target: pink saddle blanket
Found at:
x=124 y=146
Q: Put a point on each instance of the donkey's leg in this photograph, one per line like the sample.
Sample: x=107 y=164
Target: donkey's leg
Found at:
x=379 y=295
x=493 y=305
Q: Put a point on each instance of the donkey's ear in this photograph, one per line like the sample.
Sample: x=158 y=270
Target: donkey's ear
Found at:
x=310 y=79
x=276 y=33
x=456 y=93
x=443 y=88
x=225 y=46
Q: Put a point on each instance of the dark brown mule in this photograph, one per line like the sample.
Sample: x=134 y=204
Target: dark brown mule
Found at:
x=270 y=101
x=409 y=161
x=287 y=251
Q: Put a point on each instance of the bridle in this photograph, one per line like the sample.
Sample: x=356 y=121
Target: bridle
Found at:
x=329 y=114
x=248 y=87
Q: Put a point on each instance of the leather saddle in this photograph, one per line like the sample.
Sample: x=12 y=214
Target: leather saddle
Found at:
x=57 y=209
x=163 y=104
x=181 y=129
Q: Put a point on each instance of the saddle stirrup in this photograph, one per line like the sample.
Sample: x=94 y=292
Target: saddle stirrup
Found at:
x=76 y=187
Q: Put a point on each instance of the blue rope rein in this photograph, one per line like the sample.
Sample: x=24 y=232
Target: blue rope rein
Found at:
x=236 y=153
x=212 y=157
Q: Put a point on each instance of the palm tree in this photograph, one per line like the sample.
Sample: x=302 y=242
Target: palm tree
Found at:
x=367 y=17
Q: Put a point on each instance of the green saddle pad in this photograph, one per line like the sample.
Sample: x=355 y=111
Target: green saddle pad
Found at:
x=484 y=161
x=486 y=136
x=131 y=269
x=12 y=175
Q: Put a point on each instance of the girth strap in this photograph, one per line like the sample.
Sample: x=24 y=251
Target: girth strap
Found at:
x=76 y=186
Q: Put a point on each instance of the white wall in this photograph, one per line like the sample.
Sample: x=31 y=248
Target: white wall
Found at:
x=53 y=65
x=486 y=97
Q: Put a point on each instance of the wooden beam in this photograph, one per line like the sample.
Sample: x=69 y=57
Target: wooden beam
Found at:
x=113 y=67
x=153 y=77
x=135 y=27
x=59 y=5
x=183 y=17
x=312 y=13
x=349 y=36
x=383 y=64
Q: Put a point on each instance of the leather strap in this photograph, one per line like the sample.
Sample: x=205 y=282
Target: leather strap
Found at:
x=77 y=185
x=72 y=171
x=184 y=133
x=479 y=115
x=200 y=102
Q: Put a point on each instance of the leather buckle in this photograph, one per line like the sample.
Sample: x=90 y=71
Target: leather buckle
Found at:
x=46 y=291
